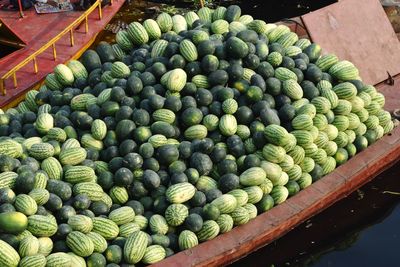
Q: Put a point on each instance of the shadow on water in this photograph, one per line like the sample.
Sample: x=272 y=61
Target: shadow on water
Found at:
x=268 y=10
x=275 y=10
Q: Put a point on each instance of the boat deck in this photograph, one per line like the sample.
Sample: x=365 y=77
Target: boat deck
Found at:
x=273 y=224
x=36 y=30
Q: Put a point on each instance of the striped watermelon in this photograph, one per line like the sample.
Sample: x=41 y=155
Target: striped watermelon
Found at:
x=158 y=224
x=158 y=48
x=176 y=214
x=225 y=203
x=196 y=132
x=240 y=195
x=209 y=231
x=288 y=39
x=179 y=23
x=325 y=62
x=122 y=39
x=119 y=53
x=52 y=83
x=175 y=80
x=37 y=260
x=137 y=33
x=164 y=115
x=345 y=90
x=225 y=223
x=78 y=70
x=252 y=176
x=135 y=247
x=79 y=174
x=41 y=151
x=80 y=223
x=91 y=189
x=344 y=71
x=292 y=89
x=153 y=254
x=127 y=229
x=152 y=29
x=277 y=32
x=11 y=148
x=8 y=255
x=42 y=226
x=201 y=81
x=80 y=243
x=191 y=17
x=120 y=70
x=58 y=259
x=284 y=74
x=122 y=215
x=164 y=21
x=105 y=227
x=28 y=246
x=188 y=50
x=25 y=204
x=240 y=216
x=254 y=194
x=205 y=14
x=72 y=156
x=64 y=75
x=44 y=123
x=273 y=153
x=220 y=26
x=53 y=168
x=187 y=239
x=227 y=125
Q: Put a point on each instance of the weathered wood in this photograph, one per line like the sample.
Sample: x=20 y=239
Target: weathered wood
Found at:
x=360 y=32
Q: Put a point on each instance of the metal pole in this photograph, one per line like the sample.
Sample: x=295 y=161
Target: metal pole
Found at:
x=86 y=24
x=35 y=66
x=3 y=86
x=15 y=80
x=72 y=36
x=54 y=51
x=21 y=13
x=100 y=13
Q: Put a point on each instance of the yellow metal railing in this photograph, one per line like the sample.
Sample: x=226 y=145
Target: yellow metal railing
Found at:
x=52 y=43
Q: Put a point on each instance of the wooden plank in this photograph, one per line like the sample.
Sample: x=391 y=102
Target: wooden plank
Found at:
x=273 y=224
x=358 y=31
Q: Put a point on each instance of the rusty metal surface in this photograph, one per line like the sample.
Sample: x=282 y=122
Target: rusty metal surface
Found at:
x=271 y=225
x=358 y=31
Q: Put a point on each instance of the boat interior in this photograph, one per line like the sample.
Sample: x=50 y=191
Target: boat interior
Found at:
x=9 y=41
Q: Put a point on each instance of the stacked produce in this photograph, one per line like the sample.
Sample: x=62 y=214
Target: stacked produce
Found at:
x=185 y=128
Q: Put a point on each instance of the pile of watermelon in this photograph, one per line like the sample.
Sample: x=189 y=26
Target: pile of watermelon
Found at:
x=184 y=128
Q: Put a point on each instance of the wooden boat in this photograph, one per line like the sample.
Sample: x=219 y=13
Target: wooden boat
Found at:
x=47 y=40
x=271 y=225
x=359 y=170
x=276 y=222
